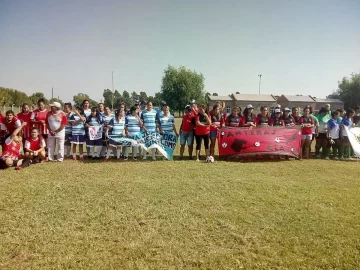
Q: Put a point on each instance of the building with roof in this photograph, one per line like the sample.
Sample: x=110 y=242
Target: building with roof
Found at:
x=242 y=100
x=334 y=103
x=296 y=101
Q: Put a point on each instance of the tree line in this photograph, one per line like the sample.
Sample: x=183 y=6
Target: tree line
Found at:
x=179 y=86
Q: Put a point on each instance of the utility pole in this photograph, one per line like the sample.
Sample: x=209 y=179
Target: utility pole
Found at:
x=259 y=82
x=112 y=95
x=52 y=92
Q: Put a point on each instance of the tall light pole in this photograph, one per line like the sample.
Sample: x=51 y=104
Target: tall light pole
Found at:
x=259 y=82
x=112 y=95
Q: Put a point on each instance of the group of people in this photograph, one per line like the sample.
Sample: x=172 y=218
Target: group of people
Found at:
x=326 y=127
x=66 y=128
x=39 y=132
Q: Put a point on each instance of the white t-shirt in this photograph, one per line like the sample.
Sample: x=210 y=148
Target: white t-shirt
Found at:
x=55 y=121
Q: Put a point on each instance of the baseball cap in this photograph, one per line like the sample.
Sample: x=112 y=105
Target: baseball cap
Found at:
x=193 y=101
x=287 y=109
x=277 y=106
x=55 y=104
x=188 y=108
x=163 y=103
x=249 y=106
x=277 y=111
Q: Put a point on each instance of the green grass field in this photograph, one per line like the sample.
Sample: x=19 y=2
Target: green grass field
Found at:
x=181 y=215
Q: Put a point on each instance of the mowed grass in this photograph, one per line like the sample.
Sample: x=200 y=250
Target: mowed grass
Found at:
x=181 y=215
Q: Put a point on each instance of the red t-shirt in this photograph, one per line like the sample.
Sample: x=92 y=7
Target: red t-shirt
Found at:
x=276 y=122
x=1 y=118
x=11 y=149
x=187 y=123
x=262 y=120
x=38 y=115
x=251 y=118
x=201 y=130
x=36 y=144
x=306 y=120
x=233 y=121
x=217 y=120
x=25 y=118
x=9 y=127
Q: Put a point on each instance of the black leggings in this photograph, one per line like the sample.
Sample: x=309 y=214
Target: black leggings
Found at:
x=198 y=141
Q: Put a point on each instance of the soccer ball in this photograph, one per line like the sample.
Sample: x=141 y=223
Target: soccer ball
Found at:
x=210 y=159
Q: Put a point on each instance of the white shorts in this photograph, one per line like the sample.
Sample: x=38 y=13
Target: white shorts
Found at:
x=307 y=137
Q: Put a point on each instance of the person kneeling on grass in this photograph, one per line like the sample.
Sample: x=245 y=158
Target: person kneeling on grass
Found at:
x=11 y=151
x=34 y=147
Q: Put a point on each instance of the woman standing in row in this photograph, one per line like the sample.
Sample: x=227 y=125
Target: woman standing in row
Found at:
x=202 y=131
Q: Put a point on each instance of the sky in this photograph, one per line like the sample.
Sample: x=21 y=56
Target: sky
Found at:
x=299 y=47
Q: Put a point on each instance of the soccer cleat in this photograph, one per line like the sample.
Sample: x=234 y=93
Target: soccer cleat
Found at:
x=327 y=158
x=198 y=160
x=154 y=158
x=106 y=159
x=341 y=158
x=126 y=158
x=144 y=158
x=135 y=158
x=336 y=158
x=81 y=158
x=74 y=158
x=318 y=156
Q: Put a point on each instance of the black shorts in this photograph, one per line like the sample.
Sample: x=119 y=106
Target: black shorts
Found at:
x=199 y=138
x=321 y=136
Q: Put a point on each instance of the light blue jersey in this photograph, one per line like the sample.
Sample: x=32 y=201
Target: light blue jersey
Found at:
x=132 y=124
x=107 y=119
x=117 y=126
x=87 y=112
x=166 y=123
x=68 y=128
x=78 y=128
x=93 y=121
x=149 y=119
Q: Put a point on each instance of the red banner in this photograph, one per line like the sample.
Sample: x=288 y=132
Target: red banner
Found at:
x=237 y=142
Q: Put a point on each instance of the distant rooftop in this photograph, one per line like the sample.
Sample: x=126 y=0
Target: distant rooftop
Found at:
x=253 y=97
x=299 y=98
x=330 y=100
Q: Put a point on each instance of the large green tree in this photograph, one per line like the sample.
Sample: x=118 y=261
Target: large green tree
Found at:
x=180 y=85
x=36 y=96
x=80 y=97
x=348 y=91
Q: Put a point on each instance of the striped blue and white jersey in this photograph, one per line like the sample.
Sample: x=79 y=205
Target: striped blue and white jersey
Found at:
x=107 y=119
x=102 y=114
x=117 y=126
x=132 y=124
x=166 y=123
x=149 y=119
x=93 y=121
x=68 y=128
x=78 y=128
x=87 y=112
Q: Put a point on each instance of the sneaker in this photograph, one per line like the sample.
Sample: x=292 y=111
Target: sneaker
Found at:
x=74 y=158
x=106 y=159
x=341 y=158
x=350 y=158
x=126 y=158
x=144 y=158
x=81 y=158
x=327 y=158
x=18 y=168
x=119 y=158
x=336 y=158
x=318 y=156
x=134 y=158
x=154 y=158
x=198 y=160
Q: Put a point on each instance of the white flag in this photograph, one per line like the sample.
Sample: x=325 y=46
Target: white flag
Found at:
x=95 y=133
x=354 y=138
